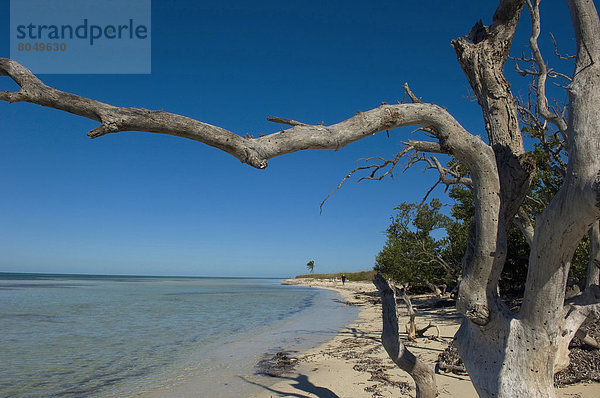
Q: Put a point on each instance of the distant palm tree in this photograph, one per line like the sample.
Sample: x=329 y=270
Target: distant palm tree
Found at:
x=311 y=266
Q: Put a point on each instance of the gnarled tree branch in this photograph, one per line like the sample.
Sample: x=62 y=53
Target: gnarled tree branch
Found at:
x=542 y=69
x=255 y=151
x=420 y=372
x=116 y=119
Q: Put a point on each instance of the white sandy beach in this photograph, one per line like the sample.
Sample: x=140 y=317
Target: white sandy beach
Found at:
x=354 y=364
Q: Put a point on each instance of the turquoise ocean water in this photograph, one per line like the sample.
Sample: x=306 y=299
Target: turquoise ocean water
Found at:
x=102 y=336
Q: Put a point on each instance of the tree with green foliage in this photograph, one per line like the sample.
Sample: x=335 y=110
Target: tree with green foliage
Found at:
x=310 y=266
x=412 y=255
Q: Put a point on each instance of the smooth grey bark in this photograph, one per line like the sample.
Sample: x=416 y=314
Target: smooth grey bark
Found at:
x=506 y=354
x=422 y=375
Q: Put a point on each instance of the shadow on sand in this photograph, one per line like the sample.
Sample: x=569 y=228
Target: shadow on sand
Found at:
x=302 y=384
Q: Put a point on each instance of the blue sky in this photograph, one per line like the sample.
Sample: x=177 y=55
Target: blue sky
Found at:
x=139 y=203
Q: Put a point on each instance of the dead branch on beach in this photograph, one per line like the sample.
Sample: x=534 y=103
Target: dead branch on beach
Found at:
x=421 y=332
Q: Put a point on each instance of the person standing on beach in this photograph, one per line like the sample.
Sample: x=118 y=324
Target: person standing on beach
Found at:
x=343 y=279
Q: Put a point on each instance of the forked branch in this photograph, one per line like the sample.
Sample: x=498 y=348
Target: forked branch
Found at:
x=541 y=75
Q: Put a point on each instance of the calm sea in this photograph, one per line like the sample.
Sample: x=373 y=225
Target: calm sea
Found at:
x=101 y=336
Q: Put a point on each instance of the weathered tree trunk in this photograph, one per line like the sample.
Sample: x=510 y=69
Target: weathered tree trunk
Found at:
x=494 y=345
x=506 y=355
x=422 y=375
x=508 y=359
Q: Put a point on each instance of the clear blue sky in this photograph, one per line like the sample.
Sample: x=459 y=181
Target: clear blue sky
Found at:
x=140 y=203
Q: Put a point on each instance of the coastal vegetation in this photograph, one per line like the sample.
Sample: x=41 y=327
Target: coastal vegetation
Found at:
x=413 y=257
x=351 y=276
x=507 y=353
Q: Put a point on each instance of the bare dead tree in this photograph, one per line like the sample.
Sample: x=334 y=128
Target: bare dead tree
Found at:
x=506 y=354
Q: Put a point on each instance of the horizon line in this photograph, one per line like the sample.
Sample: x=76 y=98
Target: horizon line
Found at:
x=138 y=275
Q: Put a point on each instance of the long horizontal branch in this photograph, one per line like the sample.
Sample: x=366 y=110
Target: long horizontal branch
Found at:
x=116 y=119
x=253 y=151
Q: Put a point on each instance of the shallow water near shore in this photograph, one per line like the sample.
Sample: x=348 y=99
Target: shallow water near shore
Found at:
x=98 y=336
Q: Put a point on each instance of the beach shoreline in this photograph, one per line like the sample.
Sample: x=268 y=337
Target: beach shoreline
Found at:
x=354 y=363
x=230 y=368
